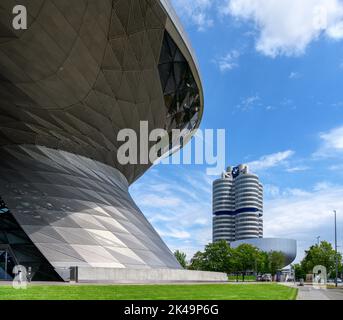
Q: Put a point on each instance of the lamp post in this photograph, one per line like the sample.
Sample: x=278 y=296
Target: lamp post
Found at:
x=318 y=240
x=336 y=256
x=6 y=260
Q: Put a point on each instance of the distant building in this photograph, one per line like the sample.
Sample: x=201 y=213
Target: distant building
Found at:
x=287 y=246
x=238 y=213
x=237 y=205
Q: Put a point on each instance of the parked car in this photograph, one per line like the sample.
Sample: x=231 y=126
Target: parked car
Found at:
x=339 y=280
x=301 y=283
x=267 y=278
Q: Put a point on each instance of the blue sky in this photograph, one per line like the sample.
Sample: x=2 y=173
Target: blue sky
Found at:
x=272 y=73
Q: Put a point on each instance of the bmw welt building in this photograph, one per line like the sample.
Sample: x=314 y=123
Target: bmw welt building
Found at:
x=82 y=71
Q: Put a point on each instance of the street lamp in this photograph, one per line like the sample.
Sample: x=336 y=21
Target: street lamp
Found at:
x=336 y=256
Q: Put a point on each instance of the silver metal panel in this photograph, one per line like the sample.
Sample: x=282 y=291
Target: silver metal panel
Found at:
x=287 y=246
x=51 y=195
x=83 y=70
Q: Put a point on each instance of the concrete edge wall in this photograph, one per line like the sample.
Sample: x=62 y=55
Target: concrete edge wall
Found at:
x=147 y=275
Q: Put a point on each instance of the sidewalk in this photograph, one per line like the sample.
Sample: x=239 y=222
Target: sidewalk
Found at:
x=308 y=292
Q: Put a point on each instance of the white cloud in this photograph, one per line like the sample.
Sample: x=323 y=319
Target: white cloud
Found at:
x=336 y=31
x=271 y=160
x=271 y=191
x=294 y=75
x=323 y=185
x=332 y=143
x=249 y=103
x=270 y=108
x=174 y=233
x=253 y=102
x=274 y=192
x=296 y=192
x=159 y=201
x=228 y=62
x=287 y=27
x=297 y=169
x=336 y=167
x=303 y=215
x=178 y=206
x=195 y=11
x=282 y=27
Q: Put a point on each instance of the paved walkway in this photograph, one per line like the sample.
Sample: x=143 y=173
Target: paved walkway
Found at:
x=308 y=292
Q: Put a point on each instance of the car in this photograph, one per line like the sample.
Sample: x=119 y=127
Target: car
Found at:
x=301 y=283
x=259 y=278
x=267 y=277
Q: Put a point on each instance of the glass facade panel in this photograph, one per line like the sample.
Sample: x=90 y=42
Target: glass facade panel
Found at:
x=17 y=248
x=7 y=264
x=181 y=93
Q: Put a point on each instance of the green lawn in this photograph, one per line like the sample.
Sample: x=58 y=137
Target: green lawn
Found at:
x=151 y=292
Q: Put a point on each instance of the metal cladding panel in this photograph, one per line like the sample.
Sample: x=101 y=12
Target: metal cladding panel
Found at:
x=78 y=211
x=287 y=246
x=82 y=71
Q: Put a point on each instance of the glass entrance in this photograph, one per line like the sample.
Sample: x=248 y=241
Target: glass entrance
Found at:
x=6 y=264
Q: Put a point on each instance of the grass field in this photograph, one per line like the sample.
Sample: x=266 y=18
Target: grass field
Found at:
x=151 y=292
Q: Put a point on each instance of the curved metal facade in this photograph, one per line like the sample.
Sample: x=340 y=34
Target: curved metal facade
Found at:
x=78 y=211
x=81 y=72
x=287 y=246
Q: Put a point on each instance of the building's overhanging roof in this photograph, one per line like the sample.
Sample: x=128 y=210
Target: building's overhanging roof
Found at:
x=179 y=35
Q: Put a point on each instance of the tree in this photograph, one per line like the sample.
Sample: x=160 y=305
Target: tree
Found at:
x=263 y=263
x=197 y=262
x=246 y=258
x=276 y=261
x=216 y=257
x=220 y=257
x=322 y=254
x=299 y=272
x=181 y=257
